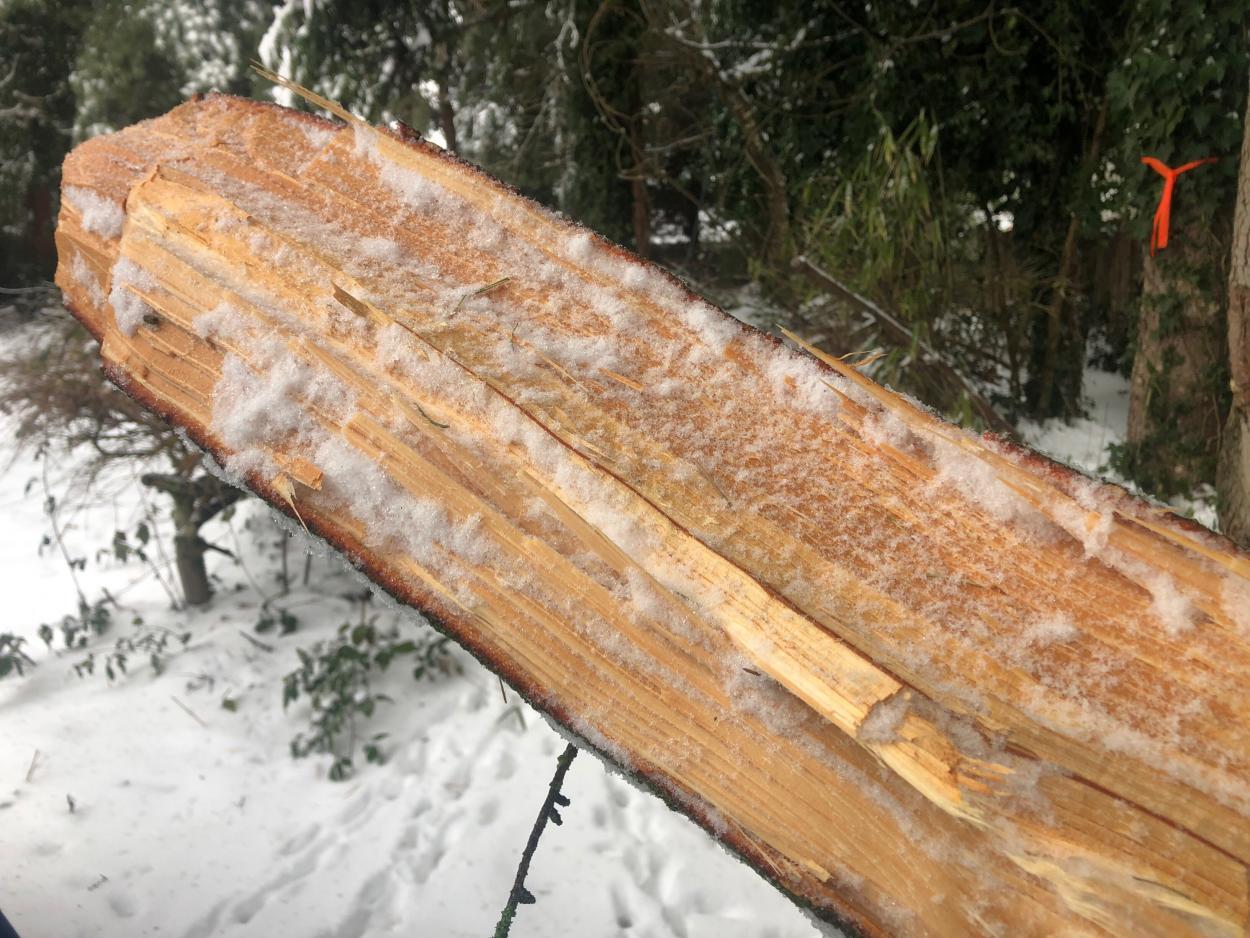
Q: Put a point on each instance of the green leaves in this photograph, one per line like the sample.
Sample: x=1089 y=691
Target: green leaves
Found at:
x=152 y=643
x=123 y=548
x=13 y=660
x=278 y=618
x=336 y=677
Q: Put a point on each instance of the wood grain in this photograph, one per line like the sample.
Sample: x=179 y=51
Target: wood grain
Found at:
x=926 y=683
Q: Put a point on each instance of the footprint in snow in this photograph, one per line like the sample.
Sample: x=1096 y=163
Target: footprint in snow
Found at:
x=207 y=925
x=413 y=758
x=356 y=808
x=246 y=910
x=506 y=766
x=488 y=811
x=424 y=862
x=620 y=907
x=121 y=904
x=376 y=899
x=458 y=782
x=300 y=841
x=409 y=839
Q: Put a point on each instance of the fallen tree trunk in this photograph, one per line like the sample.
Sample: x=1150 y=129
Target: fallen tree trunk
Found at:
x=925 y=682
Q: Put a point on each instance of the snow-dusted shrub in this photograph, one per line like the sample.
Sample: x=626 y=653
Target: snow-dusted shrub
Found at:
x=12 y=658
x=337 y=676
x=150 y=644
x=92 y=618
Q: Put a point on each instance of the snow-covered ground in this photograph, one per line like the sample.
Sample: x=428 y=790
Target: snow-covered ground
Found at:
x=201 y=824
x=1086 y=443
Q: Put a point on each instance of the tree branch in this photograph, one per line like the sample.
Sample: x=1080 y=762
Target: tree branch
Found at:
x=520 y=895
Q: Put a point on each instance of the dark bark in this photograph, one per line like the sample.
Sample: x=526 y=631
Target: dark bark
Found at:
x=779 y=242
x=446 y=117
x=192 y=571
x=1045 y=405
x=642 y=217
x=638 y=173
x=40 y=248
x=1113 y=273
x=1178 y=384
x=1233 y=478
x=196 y=502
x=1233 y=475
x=1058 y=390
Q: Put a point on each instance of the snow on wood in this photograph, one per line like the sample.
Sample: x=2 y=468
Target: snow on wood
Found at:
x=925 y=682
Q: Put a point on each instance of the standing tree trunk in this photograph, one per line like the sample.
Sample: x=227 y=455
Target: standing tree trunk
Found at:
x=638 y=172
x=446 y=116
x=196 y=502
x=1233 y=476
x=779 y=242
x=1063 y=359
x=1177 y=384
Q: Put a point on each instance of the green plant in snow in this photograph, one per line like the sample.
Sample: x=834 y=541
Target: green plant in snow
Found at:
x=337 y=677
x=151 y=643
x=92 y=618
x=12 y=658
x=275 y=617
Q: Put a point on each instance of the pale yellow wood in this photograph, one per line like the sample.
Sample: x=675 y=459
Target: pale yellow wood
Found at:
x=786 y=614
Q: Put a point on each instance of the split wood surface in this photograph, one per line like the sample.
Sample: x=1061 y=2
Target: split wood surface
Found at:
x=927 y=683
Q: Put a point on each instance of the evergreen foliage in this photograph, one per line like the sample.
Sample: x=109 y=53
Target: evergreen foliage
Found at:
x=339 y=678
x=37 y=112
x=973 y=168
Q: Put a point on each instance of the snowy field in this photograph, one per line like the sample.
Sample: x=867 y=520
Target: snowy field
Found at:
x=143 y=806
x=200 y=823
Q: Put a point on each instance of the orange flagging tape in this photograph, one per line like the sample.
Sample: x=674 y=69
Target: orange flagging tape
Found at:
x=1163 y=214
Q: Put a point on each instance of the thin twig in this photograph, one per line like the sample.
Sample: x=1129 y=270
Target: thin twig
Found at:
x=31 y=771
x=263 y=646
x=479 y=292
x=520 y=895
x=50 y=509
x=158 y=540
x=188 y=711
x=238 y=549
x=903 y=336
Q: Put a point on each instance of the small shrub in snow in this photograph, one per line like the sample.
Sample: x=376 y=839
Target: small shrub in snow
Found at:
x=12 y=658
x=123 y=548
x=92 y=619
x=150 y=643
x=275 y=617
x=337 y=677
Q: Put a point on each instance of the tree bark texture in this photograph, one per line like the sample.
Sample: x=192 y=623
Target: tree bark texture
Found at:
x=1233 y=479
x=195 y=503
x=1175 y=414
x=447 y=116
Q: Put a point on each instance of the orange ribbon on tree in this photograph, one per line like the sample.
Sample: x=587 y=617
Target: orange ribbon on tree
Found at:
x=1163 y=214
